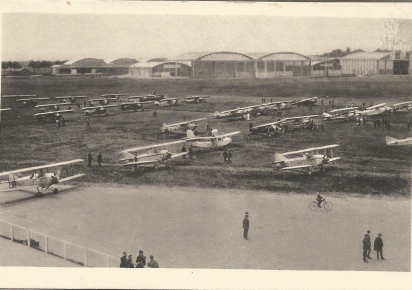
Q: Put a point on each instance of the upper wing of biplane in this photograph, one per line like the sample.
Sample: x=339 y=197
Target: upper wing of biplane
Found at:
x=53 y=105
x=311 y=149
x=72 y=97
x=152 y=146
x=268 y=124
x=210 y=137
x=6 y=109
x=299 y=118
x=41 y=167
x=99 y=106
x=114 y=95
x=343 y=110
x=186 y=122
x=38 y=99
x=376 y=106
x=170 y=156
x=19 y=96
x=53 y=112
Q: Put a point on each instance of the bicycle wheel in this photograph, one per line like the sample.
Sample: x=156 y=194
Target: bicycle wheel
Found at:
x=313 y=205
x=328 y=206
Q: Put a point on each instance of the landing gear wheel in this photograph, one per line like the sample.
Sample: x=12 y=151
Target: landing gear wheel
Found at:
x=156 y=167
x=55 y=191
x=328 y=206
x=313 y=205
x=310 y=172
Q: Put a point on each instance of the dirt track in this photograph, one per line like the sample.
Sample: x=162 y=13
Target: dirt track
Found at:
x=198 y=228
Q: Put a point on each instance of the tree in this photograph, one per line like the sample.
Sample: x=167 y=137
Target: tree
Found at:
x=4 y=65
x=15 y=64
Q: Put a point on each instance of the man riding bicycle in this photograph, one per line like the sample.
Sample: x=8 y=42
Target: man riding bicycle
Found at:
x=319 y=198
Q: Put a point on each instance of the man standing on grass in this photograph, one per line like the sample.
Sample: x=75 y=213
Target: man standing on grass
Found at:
x=369 y=244
x=100 y=159
x=246 y=226
x=123 y=260
x=89 y=159
x=377 y=246
x=365 y=247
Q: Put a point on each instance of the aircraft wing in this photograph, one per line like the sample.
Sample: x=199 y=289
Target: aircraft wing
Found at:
x=229 y=134
x=102 y=106
x=299 y=118
x=7 y=109
x=268 y=124
x=135 y=97
x=310 y=149
x=344 y=109
x=41 y=167
x=18 y=188
x=71 y=177
x=18 y=96
x=333 y=159
x=376 y=106
x=174 y=155
x=186 y=122
x=295 y=167
x=53 y=112
x=152 y=146
x=69 y=97
x=23 y=100
x=114 y=95
x=211 y=137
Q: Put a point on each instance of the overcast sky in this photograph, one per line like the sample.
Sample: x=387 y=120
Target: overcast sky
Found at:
x=27 y=36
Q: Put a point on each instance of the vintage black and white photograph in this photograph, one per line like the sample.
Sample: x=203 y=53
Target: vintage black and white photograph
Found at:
x=194 y=136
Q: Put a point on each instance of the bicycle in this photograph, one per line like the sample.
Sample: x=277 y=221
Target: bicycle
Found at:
x=326 y=205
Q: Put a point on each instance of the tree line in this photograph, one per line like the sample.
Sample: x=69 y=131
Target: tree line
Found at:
x=33 y=64
x=341 y=52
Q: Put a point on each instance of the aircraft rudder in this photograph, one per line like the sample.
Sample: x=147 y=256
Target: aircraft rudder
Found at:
x=390 y=140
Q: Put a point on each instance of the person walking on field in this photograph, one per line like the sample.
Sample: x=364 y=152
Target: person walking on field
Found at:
x=246 y=226
x=89 y=159
x=377 y=246
x=229 y=156
x=365 y=247
x=100 y=159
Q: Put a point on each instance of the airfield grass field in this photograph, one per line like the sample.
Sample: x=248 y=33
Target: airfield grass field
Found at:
x=190 y=216
x=367 y=166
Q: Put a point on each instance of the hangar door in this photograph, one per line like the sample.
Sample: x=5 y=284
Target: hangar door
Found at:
x=400 y=67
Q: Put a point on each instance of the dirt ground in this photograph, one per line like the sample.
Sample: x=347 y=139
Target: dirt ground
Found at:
x=202 y=228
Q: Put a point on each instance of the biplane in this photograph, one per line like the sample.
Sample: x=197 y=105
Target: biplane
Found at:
x=51 y=115
x=97 y=110
x=306 y=102
x=296 y=122
x=154 y=155
x=267 y=108
x=236 y=114
x=210 y=142
x=132 y=106
x=394 y=141
x=114 y=97
x=374 y=110
x=98 y=102
x=344 y=114
x=30 y=102
x=166 y=102
x=196 y=99
x=52 y=107
x=402 y=107
x=310 y=159
x=147 y=98
x=181 y=127
x=71 y=99
x=40 y=177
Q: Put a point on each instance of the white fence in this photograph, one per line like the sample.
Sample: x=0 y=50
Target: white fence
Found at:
x=54 y=246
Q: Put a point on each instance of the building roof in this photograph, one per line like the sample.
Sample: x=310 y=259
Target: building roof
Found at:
x=277 y=56
x=85 y=62
x=368 y=55
x=214 y=56
x=120 y=62
x=156 y=63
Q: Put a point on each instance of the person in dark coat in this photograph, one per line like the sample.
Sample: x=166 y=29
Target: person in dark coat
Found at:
x=141 y=259
x=229 y=156
x=123 y=260
x=224 y=154
x=377 y=246
x=152 y=263
x=191 y=151
x=89 y=158
x=369 y=242
x=184 y=150
x=129 y=263
x=246 y=226
x=100 y=159
x=365 y=247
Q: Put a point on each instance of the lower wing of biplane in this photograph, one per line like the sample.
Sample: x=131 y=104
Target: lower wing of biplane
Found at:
x=41 y=177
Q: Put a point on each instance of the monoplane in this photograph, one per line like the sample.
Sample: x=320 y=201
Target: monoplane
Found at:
x=196 y=99
x=71 y=99
x=166 y=102
x=210 y=142
x=344 y=114
x=310 y=159
x=181 y=127
x=40 y=177
x=154 y=155
x=306 y=102
x=114 y=97
x=394 y=141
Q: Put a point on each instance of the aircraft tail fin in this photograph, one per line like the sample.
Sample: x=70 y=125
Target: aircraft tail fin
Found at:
x=279 y=158
x=390 y=140
x=190 y=134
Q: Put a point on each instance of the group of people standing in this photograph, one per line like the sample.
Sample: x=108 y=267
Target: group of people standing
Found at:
x=382 y=123
x=377 y=246
x=127 y=261
x=90 y=159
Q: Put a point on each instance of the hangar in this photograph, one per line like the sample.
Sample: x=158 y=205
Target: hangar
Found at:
x=81 y=66
x=226 y=64
x=119 y=66
x=377 y=63
x=165 y=69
